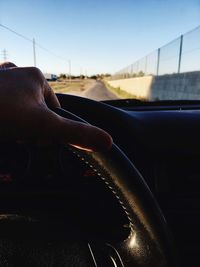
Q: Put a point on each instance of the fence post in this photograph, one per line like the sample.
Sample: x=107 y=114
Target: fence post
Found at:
x=180 y=53
x=158 y=62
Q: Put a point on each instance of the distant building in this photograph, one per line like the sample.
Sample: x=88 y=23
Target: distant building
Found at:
x=50 y=76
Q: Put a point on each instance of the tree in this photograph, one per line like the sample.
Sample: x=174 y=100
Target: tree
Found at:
x=62 y=76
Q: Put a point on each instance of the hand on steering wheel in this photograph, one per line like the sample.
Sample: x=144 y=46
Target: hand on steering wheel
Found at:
x=26 y=100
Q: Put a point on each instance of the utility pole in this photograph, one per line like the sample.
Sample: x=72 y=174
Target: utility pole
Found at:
x=4 y=54
x=34 y=53
x=180 y=53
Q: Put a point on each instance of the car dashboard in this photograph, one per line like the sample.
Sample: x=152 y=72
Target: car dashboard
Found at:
x=162 y=139
x=165 y=147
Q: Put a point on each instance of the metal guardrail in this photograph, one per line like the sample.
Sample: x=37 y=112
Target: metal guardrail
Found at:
x=180 y=55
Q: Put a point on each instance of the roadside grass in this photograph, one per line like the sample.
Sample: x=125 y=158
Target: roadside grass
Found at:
x=119 y=92
x=67 y=86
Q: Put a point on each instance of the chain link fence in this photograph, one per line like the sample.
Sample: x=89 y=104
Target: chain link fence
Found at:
x=180 y=55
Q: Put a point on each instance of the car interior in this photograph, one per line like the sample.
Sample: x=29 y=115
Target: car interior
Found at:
x=136 y=205
x=130 y=68
x=161 y=139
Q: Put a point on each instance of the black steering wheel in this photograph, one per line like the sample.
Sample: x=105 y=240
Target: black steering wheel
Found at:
x=148 y=242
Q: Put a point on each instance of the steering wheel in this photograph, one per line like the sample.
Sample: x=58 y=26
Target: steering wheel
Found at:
x=148 y=242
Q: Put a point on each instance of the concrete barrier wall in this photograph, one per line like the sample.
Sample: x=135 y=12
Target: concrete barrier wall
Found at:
x=174 y=86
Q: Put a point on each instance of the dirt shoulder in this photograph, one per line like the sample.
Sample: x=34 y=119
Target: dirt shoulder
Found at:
x=73 y=86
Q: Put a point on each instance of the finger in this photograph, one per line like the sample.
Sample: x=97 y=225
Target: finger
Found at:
x=50 y=97
x=76 y=133
x=6 y=65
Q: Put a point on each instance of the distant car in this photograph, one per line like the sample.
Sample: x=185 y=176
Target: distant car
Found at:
x=50 y=77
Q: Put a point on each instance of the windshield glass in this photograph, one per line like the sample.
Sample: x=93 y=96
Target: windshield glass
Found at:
x=147 y=50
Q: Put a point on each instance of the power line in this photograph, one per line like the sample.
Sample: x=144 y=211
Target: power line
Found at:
x=33 y=42
x=18 y=34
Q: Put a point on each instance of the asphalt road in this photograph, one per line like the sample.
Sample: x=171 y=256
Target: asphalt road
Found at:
x=97 y=91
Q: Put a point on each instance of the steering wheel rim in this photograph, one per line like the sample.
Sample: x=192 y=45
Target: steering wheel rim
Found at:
x=149 y=242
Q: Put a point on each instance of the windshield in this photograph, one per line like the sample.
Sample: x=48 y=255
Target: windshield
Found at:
x=103 y=50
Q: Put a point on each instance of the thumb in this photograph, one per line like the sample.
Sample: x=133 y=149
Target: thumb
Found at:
x=75 y=133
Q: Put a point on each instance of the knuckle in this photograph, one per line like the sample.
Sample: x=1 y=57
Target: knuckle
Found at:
x=35 y=74
x=30 y=79
x=34 y=71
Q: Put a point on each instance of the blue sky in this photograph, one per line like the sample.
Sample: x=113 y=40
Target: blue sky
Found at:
x=96 y=36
